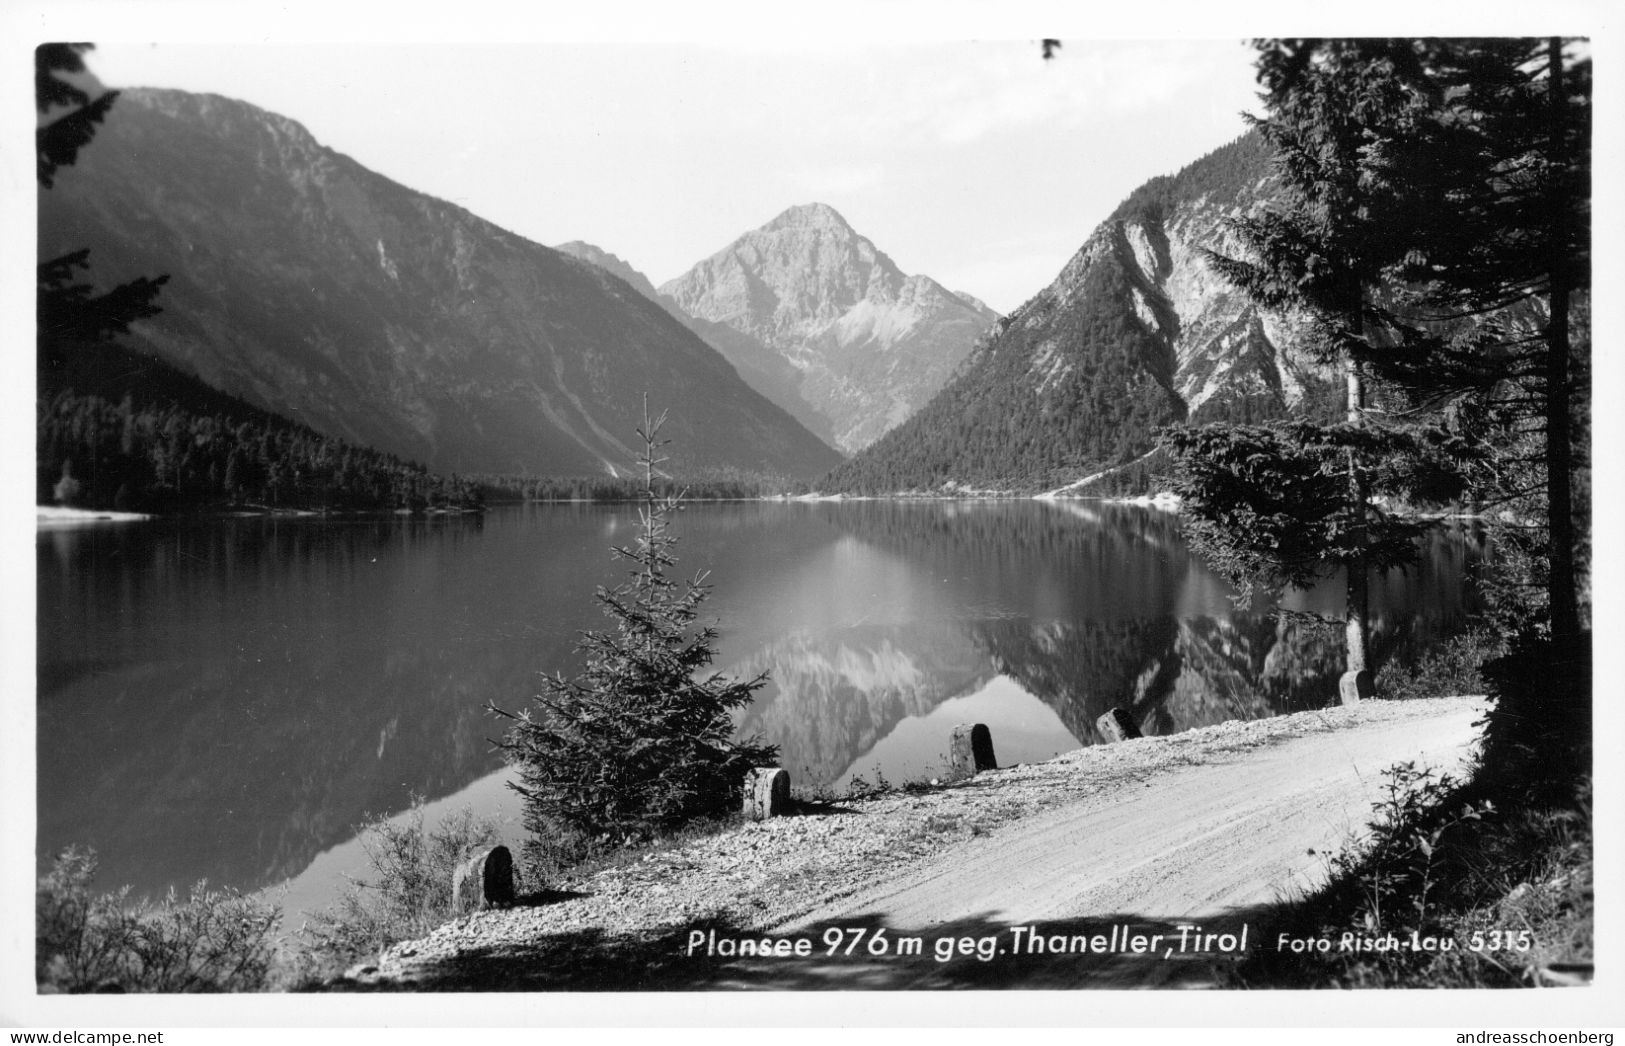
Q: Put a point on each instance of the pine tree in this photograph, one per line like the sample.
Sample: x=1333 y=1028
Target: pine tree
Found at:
x=641 y=740
x=68 y=313
x=1345 y=120
x=1506 y=266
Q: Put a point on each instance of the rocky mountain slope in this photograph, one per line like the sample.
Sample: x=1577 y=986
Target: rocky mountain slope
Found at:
x=1135 y=332
x=763 y=369
x=867 y=344
x=315 y=288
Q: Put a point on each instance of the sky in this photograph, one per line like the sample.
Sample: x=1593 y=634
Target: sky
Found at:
x=661 y=132
x=976 y=163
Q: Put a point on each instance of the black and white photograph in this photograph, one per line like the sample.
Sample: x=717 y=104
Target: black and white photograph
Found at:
x=665 y=514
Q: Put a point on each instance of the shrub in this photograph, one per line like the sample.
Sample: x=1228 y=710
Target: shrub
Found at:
x=407 y=894
x=214 y=941
x=1454 y=668
x=1399 y=868
x=642 y=740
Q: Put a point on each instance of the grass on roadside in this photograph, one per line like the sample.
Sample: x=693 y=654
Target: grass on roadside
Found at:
x=1497 y=869
x=1509 y=889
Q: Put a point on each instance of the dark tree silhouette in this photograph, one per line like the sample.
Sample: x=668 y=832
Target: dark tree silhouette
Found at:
x=1509 y=263
x=59 y=141
x=71 y=313
x=1433 y=230
x=1484 y=193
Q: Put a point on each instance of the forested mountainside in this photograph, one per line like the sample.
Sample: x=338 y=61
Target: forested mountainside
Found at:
x=121 y=430
x=311 y=287
x=1136 y=332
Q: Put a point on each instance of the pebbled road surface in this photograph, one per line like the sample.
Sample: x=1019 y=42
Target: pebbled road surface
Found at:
x=1242 y=829
x=1154 y=871
x=1091 y=855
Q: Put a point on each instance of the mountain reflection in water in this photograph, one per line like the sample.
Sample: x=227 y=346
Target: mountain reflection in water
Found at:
x=1088 y=607
x=228 y=699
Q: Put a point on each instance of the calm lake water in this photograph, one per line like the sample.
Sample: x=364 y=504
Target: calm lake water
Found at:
x=228 y=699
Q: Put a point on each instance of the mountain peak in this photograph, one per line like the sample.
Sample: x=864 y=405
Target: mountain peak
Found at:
x=864 y=344
x=809 y=216
x=583 y=249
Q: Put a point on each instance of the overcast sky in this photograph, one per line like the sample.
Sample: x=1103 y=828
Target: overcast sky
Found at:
x=976 y=163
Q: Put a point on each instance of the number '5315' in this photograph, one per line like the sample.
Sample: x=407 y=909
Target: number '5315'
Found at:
x=1500 y=940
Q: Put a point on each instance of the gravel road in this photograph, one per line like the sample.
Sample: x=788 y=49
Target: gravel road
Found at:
x=1242 y=828
x=1100 y=849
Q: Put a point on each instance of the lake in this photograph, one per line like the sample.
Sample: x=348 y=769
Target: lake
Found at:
x=227 y=699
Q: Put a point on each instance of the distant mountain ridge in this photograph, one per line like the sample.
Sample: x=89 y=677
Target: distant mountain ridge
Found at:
x=310 y=286
x=867 y=344
x=613 y=264
x=762 y=369
x=1135 y=332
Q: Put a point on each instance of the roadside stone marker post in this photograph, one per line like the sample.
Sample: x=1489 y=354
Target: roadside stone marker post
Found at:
x=484 y=880
x=1118 y=725
x=767 y=793
x=971 y=750
x=1354 y=687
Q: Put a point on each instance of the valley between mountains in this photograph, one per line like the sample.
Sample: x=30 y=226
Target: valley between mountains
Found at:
x=798 y=358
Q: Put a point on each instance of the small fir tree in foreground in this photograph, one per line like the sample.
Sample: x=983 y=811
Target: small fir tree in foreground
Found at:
x=642 y=740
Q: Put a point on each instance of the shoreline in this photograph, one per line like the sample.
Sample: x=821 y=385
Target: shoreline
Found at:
x=58 y=516
x=1165 y=500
